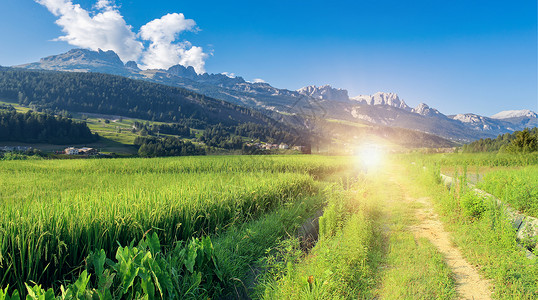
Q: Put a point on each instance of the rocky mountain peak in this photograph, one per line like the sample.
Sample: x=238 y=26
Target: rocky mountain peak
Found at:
x=381 y=98
x=325 y=92
x=425 y=110
x=84 y=56
x=132 y=65
x=182 y=71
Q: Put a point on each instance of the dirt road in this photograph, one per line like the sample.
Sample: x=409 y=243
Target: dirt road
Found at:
x=469 y=283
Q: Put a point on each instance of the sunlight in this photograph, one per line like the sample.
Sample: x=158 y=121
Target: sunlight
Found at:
x=370 y=156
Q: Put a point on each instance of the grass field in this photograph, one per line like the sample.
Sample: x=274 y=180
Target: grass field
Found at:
x=519 y=188
x=229 y=227
x=56 y=212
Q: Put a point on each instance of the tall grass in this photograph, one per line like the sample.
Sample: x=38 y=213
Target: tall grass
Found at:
x=485 y=235
x=56 y=212
x=340 y=266
x=518 y=188
x=477 y=159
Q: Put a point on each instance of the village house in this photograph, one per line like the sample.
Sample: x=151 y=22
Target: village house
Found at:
x=81 y=151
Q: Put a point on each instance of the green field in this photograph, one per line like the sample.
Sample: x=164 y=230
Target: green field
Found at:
x=518 y=188
x=238 y=226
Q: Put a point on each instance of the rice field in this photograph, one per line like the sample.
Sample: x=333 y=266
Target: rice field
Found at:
x=55 y=212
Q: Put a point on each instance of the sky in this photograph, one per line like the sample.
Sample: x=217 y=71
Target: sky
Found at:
x=457 y=56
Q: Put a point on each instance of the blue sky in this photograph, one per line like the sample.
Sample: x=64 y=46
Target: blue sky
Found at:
x=456 y=56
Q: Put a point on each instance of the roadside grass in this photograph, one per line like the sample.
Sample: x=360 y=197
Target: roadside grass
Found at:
x=342 y=263
x=365 y=251
x=415 y=270
x=490 y=159
x=242 y=249
x=412 y=268
x=519 y=188
x=483 y=232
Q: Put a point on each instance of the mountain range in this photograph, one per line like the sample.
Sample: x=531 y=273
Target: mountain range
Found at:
x=319 y=102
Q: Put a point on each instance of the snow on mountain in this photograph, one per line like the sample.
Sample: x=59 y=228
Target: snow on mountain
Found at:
x=425 y=110
x=325 y=92
x=507 y=114
x=381 y=98
x=482 y=123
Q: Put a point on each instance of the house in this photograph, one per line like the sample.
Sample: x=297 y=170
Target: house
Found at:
x=71 y=151
x=88 y=151
x=81 y=151
x=283 y=146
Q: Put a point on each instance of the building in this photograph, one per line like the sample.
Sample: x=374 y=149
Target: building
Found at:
x=81 y=151
x=88 y=151
x=71 y=151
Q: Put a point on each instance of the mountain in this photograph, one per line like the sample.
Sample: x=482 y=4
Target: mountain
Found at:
x=310 y=102
x=117 y=95
x=325 y=92
x=425 y=110
x=380 y=98
x=232 y=89
x=81 y=60
x=485 y=124
x=440 y=124
x=508 y=114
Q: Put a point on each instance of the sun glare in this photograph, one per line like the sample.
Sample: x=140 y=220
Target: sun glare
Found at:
x=370 y=156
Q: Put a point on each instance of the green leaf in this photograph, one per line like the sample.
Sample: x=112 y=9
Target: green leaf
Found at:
x=127 y=277
x=31 y=293
x=105 y=281
x=49 y=295
x=153 y=242
x=148 y=287
x=82 y=283
x=191 y=257
x=15 y=295
x=99 y=259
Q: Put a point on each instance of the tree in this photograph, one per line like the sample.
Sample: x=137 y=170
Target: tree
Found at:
x=524 y=142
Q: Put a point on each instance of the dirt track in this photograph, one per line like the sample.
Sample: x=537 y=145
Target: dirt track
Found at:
x=469 y=283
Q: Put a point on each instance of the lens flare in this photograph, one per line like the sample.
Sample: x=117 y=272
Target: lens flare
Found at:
x=370 y=157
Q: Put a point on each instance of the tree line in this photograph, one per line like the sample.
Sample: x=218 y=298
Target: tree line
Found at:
x=153 y=129
x=518 y=141
x=34 y=127
x=230 y=137
x=168 y=146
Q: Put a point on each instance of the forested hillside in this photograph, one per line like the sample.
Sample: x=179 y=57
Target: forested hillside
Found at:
x=41 y=128
x=109 y=94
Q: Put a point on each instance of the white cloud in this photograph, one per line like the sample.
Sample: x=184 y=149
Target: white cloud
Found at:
x=163 y=51
x=258 y=80
x=103 y=4
x=105 y=28
x=228 y=74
